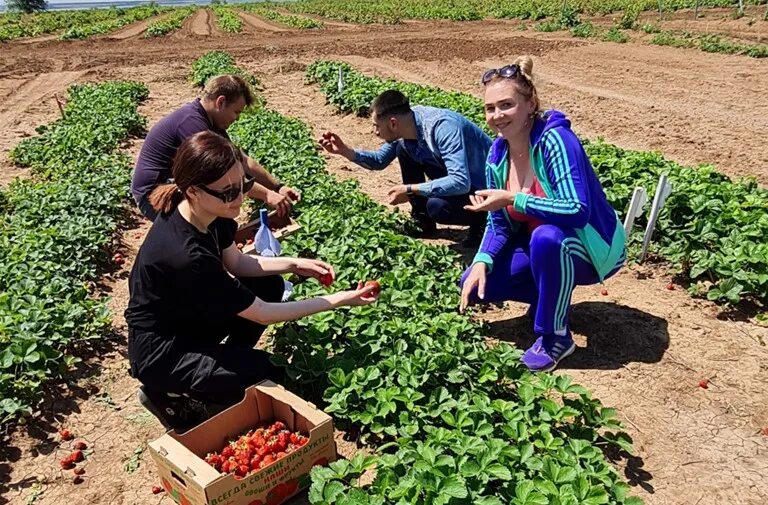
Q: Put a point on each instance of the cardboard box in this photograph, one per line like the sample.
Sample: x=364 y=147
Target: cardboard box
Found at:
x=280 y=226
x=188 y=479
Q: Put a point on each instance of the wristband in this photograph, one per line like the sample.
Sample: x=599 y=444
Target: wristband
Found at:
x=408 y=189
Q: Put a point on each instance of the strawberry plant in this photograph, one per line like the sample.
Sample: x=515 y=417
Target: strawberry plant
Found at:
x=121 y=17
x=712 y=229
x=411 y=374
x=227 y=19
x=170 y=22
x=216 y=63
x=393 y=11
x=55 y=231
x=300 y=22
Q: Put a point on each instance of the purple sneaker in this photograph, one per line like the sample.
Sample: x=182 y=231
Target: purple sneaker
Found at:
x=547 y=351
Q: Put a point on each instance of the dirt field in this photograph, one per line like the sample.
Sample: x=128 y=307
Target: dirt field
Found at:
x=642 y=348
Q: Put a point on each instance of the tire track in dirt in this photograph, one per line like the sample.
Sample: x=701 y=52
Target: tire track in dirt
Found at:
x=132 y=30
x=199 y=24
x=258 y=24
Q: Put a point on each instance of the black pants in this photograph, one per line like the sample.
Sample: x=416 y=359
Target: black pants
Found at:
x=443 y=209
x=218 y=373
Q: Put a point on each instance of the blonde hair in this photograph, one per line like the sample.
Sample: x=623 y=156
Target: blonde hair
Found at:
x=524 y=81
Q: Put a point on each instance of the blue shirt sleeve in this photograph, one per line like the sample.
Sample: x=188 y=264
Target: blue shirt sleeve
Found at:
x=497 y=231
x=376 y=160
x=450 y=142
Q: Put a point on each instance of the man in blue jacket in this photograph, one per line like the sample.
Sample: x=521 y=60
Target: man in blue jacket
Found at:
x=429 y=143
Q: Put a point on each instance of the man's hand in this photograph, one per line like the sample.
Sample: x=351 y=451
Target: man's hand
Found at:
x=281 y=203
x=397 y=194
x=290 y=193
x=334 y=145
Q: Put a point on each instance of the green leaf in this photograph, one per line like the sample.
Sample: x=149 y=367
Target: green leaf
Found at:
x=454 y=486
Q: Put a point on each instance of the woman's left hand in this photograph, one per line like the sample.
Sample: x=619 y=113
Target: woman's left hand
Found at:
x=313 y=268
x=489 y=200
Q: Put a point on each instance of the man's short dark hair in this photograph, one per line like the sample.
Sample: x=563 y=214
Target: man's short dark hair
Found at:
x=391 y=103
x=231 y=87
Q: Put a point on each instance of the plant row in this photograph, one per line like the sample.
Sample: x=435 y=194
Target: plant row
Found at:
x=268 y=12
x=56 y=230
x=227 y=19
x=712 y=229
x=456 y=420
x=124 y=17
x=13 y=26
x=170 y=22
x=708 y=42
x=216 y=63
x=392 y=11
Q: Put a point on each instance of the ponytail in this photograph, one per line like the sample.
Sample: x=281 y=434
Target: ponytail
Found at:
x=166 y=197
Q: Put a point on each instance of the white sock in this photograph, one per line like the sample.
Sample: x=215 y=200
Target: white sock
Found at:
x=561 y=333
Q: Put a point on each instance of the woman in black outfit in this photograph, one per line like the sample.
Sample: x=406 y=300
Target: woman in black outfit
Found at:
x=191 y=287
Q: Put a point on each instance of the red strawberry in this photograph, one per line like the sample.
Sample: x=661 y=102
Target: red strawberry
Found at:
x=80 y=445
x=65 y=434
x=243 y=470
x=604 y=292
x=279 y=426
x=671 y=286
x=227 y=452
x=118 y=259
x=79 y=471
x=249 y=241
x=326 y=279
x=67 y=463
x=77 y=480
x=77 y=456
x=704 y=383
x=157 y=490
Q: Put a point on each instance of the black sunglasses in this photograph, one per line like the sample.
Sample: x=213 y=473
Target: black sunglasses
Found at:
x=231 y=194
x=507 y=72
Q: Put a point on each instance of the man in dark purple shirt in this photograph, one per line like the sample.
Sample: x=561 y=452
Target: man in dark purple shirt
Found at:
x=224 y=98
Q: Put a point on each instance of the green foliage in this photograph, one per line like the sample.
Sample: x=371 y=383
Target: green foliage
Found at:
x=56 y=229
x=615 y=35
x=170 y=22
x=27 y=6
x=217 y=63
x=267 y=12
x=120 y=18
x=710 y=43
x=584 y=29
x=394 y=11
x=227 y=19
x=650 y=28
x=628 y=20
x=75 y=24
x=712 y=229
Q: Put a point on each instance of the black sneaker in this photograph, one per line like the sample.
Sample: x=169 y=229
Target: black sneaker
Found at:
x=424 y=229
x=175 y=412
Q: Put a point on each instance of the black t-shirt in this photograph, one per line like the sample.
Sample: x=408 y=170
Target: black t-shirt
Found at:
x=179 y=288
x=153 y=166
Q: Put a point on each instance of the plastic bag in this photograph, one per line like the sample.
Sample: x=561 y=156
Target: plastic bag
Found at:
x=265 y=242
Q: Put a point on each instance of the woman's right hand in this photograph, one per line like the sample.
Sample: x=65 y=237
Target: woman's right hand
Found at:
x=363 y=295
x=475 y=280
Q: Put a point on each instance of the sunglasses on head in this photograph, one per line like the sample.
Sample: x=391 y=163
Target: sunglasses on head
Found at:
x=231 y=194
x=507 y=72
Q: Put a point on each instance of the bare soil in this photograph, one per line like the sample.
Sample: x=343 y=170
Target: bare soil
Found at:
x=642 y=348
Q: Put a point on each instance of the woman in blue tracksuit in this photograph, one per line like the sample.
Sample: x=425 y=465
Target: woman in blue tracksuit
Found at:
x=550 y=226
